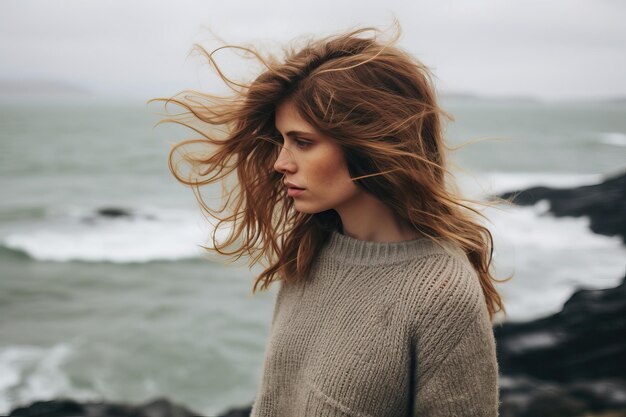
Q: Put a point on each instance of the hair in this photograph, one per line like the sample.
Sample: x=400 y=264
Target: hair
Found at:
x=377 y=101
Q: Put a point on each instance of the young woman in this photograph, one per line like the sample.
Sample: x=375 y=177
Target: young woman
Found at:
x=342 y=188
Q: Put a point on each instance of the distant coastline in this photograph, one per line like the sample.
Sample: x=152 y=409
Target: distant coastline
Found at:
x=41 y=88
x=45 y=86
x=473 y=97
x=456 y=95
x=16 y=88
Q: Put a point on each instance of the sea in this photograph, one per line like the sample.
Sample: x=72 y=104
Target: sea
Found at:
x=130 y=308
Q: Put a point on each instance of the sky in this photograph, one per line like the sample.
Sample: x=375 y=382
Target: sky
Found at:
x=547 y=49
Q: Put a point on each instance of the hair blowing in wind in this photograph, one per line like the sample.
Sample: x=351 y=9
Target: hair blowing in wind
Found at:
x=377 y=101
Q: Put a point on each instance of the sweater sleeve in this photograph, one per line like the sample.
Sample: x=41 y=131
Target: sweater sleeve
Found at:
x=456 y=370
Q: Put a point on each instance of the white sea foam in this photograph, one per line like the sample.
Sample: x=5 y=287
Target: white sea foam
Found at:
x=549 y=257
x=144 y=235
x=613 y=138
x=532 y=341
x=32 y=373
x=499 y=182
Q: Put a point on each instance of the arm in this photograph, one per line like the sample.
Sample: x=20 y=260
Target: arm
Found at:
x=456 y=369
x=465 y=381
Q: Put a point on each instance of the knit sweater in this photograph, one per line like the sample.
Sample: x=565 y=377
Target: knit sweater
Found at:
x=381 y=329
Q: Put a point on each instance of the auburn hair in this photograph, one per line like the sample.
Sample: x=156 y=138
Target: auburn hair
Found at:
x=373 y=98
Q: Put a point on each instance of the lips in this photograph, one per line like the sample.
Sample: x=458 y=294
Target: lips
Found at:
x=291 y=185
x=295 y=192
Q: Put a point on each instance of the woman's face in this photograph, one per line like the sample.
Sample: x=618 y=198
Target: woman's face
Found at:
x=311 y=161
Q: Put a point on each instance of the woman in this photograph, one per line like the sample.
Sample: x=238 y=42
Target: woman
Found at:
x=386 y=298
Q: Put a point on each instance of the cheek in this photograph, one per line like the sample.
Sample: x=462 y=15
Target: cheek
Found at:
x=331 y=173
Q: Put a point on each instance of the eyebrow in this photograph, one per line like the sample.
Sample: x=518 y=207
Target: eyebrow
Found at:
x=296 y=132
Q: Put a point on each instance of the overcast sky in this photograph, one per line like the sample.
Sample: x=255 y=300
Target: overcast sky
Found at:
x=559 y=49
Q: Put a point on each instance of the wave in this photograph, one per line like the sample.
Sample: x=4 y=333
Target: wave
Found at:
x=549 y=257
x=113 y=234
x=33 y=373
x=497 y=182
x=613 y=138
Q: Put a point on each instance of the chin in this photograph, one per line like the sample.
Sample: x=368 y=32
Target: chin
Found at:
x=308 y=209
x=304 y=210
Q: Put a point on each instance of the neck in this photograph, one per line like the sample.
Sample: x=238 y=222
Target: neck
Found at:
x=365 y=217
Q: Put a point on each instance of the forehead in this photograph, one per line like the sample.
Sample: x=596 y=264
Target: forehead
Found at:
x=287 y=118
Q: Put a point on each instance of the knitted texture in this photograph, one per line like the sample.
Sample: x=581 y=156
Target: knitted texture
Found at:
x=381 y=329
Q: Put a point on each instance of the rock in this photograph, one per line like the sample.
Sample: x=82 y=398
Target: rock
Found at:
x=554 y=403
x=113 y=212
x=160 y=407
x=586 y=340
x=53 y=408
x=528 y=396
x=238 y=412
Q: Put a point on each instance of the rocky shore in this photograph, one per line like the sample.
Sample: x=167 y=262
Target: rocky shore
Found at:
x=572 y=363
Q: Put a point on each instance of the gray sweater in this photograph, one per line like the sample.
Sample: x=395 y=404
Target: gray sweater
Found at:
x=381 y=329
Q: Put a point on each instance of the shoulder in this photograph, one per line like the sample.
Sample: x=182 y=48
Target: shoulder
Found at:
x=445 y=290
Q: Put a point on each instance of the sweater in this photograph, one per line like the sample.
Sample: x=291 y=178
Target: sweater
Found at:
x=381 y=329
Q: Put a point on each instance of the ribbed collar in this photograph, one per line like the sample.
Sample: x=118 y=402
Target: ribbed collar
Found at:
x=364 y=252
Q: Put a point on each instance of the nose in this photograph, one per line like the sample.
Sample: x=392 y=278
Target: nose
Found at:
x=284 y=162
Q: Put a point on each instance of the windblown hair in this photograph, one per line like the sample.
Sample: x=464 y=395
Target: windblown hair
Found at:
x=377 y=102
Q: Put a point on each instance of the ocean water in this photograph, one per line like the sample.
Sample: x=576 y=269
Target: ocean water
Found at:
x=127 y=309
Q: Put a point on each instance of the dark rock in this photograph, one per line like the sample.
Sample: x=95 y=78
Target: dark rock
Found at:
x=586 y=340
x=53 y=408
x=528 y=396
x=160 y=407
x=113 y=212
x=238 y=412
x=554 y=403
x=604 y=203
x=604 y=394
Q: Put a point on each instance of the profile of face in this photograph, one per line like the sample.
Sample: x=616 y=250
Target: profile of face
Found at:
x=313 y=162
